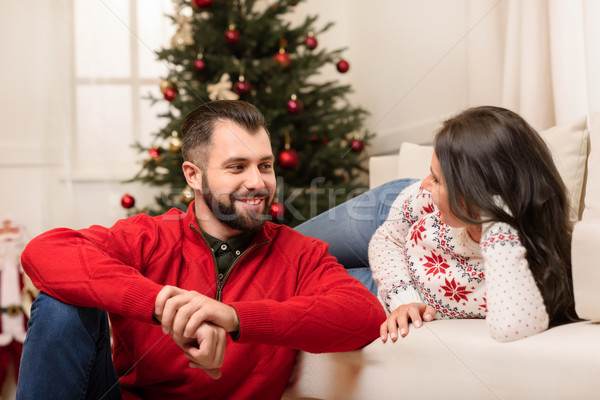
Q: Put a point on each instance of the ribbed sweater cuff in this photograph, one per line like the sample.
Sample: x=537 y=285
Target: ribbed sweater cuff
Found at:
x=255 y=319
x=139 y=300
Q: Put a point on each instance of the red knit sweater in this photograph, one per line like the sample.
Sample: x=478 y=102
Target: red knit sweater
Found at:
x=289 y=293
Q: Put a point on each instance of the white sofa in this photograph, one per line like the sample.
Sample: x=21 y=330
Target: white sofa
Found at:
x=457 y=359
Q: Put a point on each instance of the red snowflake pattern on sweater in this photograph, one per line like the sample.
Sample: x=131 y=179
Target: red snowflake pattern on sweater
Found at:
x=416 y=232
x=454 y=291
x=435 y=264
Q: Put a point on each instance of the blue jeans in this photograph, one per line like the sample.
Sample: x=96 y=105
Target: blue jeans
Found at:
x=348 y=228
x=66 y=354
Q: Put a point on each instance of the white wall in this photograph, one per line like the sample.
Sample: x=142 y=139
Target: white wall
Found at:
x=413 y=63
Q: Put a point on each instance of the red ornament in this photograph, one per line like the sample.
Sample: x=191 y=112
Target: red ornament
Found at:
x=242 y=87
x=282 y=58
x=294 y=106
x=288 y=159
x=154 y=152
x=202 y=3
x=357 y=145
x=169 y=94
x=127 y=201
x=343 y=66
x=232 y=35
x=311 y=42
x=276 y=210
x=199 y=64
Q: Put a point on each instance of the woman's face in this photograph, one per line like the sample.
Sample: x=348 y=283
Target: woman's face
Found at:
x=435 y=184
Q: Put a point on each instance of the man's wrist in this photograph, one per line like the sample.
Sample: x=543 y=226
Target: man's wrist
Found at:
x=236 y=324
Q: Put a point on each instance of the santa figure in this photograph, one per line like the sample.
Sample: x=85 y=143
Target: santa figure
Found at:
x=13 y=321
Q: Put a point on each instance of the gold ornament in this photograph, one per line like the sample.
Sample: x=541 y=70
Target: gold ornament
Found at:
x=187 y=195
x=174 y=142
x=164 y=85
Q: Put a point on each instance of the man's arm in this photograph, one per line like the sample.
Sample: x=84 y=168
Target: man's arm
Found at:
x=96 y=267
x=331 y=311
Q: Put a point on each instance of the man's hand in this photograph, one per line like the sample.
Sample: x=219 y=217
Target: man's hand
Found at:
x=206 y=350
x=197 y=324
x=398 y=319
x=182 y=312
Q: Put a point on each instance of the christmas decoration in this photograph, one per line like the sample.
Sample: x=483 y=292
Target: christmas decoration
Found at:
x=294 y=106
x=200 y=4
x=199 y=65
x=357 y=145
x=311 y=41
x=187 y=195
x=222 y=89
x=183 y=37
x=282 y=58
x=250 y=50
x=232 y=35
x=170 y=93
x=288 y=158
x=127 y=201
x=154 y=152
x=276 y=210
x=174 y=142
x=16 y=295
x=241 y=87
x=164 y=85
x=343 y=66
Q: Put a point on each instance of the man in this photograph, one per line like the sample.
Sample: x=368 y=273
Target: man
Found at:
x=212 y=303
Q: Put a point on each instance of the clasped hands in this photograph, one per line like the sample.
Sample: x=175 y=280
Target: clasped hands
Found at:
x=197 y=324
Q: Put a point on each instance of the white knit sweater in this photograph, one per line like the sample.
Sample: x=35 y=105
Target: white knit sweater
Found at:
x=417 y=258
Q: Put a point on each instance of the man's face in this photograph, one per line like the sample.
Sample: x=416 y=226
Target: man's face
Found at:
x=238 y=184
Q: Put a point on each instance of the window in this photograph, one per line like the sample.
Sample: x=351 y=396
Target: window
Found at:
x=114 y=69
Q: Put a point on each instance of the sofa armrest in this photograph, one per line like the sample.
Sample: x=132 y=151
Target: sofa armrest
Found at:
x=585 y=249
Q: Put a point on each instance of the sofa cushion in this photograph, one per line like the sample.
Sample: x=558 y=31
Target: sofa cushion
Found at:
x=592 y=183
x=586 y=270
x=568 y=144
x=414 y=160
x=457 y=359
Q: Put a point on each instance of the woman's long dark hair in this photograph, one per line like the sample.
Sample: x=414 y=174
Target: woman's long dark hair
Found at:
x=490 y=151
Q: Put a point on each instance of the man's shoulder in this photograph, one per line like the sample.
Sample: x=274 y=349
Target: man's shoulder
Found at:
x=172 y=220
x=285 y=234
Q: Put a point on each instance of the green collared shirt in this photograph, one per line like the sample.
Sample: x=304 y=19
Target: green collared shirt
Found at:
x=227 y=252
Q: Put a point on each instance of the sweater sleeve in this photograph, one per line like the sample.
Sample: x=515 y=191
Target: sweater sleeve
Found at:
x=515 y=307
x=387 y=257
x=330 y=311
x=96 y=267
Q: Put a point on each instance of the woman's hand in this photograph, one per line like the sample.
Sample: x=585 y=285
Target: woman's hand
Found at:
x=398 y=320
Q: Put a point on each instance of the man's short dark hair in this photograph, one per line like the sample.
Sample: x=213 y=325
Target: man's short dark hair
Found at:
x=199 y=125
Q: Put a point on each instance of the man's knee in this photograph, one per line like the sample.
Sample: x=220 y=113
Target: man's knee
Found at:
x=52 y=315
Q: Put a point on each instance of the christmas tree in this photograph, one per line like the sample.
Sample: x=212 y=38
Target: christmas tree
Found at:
x=226 y=49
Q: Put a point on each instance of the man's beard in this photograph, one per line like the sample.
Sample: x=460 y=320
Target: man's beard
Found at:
x=227 y=213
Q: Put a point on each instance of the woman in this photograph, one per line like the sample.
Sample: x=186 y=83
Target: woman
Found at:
x=485 y=235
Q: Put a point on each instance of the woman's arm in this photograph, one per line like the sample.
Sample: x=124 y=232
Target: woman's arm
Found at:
x=386 y=249
x=515 y=307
